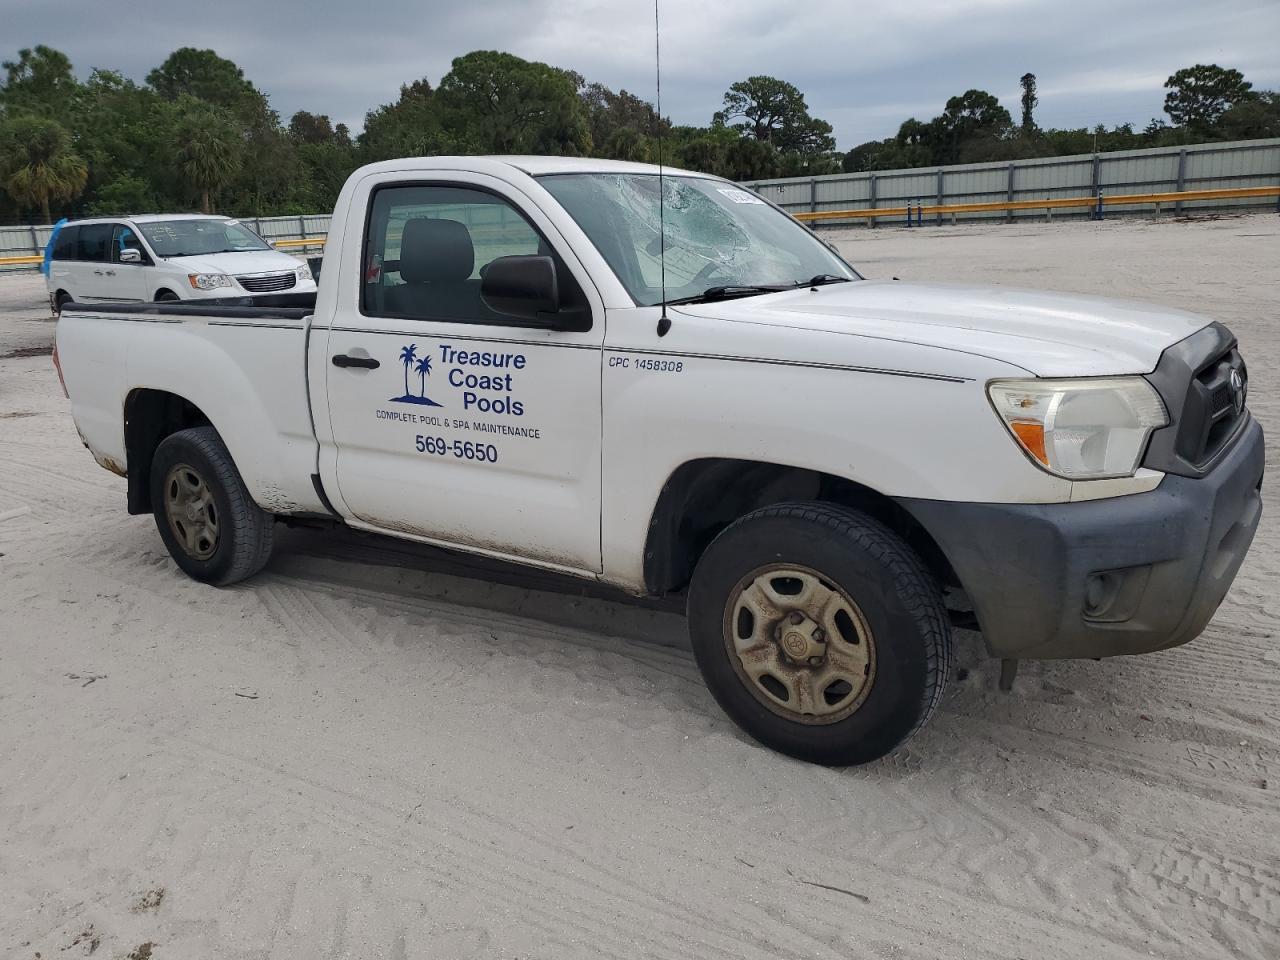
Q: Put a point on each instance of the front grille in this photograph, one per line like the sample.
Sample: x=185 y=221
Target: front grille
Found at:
x=268 y=282
x=1203 y=382
x=1213 y=409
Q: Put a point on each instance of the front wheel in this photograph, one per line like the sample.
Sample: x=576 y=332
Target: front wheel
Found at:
x=206 y=517
x=819 y=632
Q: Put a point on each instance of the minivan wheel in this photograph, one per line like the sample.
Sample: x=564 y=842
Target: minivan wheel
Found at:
x=820 y=632
x=61 y=300
x=165 y=296
x=211 y=526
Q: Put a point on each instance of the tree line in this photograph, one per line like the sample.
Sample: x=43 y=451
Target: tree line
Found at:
x=198 y=133
x=1204 y=103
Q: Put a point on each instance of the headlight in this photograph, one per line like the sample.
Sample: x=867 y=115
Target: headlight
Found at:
x=304 y=274
x=1081 y=429
x=208 y=281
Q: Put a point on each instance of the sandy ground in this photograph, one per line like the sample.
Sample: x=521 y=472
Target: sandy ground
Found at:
x=368 y=753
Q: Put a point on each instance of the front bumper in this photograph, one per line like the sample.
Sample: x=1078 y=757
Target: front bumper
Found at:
x=1101 y=578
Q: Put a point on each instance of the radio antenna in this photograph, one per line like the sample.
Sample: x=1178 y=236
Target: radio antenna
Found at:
x=664 y=322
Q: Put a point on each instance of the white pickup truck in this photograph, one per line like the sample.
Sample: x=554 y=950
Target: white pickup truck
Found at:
x=830 y=469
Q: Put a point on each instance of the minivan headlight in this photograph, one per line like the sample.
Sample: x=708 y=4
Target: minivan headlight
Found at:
x=208 y=281
x=304 y=273
x=1081 y=429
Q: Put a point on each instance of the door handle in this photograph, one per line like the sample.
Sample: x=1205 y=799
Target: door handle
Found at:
x=97 y=273
x=364 y=363
x=111 y=273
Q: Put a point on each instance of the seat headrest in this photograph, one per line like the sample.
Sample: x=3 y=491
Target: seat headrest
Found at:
x=433 y=250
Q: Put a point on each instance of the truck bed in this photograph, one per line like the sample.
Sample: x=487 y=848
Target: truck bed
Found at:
x=241 y=361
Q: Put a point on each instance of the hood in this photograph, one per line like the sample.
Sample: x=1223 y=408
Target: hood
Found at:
x=246 y=261
x=1048 y=334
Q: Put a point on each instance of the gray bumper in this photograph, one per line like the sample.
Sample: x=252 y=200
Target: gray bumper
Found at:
x=1104 y=577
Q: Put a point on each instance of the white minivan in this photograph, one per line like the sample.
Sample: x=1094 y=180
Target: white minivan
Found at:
x=167 y=257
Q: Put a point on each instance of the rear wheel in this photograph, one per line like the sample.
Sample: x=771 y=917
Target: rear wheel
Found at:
x=211 y=526
x=819 y=632
x=60 y=300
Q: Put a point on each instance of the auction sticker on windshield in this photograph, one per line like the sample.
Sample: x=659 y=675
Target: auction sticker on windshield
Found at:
x=738 y=196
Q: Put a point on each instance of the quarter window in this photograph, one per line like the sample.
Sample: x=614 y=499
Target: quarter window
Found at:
x=64 y=248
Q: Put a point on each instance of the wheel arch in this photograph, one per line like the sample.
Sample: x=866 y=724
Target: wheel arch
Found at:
x=150 y=415
x=701 y=497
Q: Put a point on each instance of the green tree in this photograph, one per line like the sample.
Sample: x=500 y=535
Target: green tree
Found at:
x=1198 y=96
x=1252 y=119
x=607 y=112
x=38 y=166
x=628 y=143
x=703 y=154
x=504 y=104
x=125 y=132
x=40 y=81
x=750 y=159
x=1029 y=102
x=410 y=127
x=307 y=127
x=204 y=75
x=209 y=147
x=774 y=111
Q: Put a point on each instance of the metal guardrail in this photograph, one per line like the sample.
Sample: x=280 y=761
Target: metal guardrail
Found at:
x=1003 y=185
x=998 y=206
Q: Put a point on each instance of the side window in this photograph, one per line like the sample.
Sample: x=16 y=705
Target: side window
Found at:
x=427 y=247
x=125 y=239
x=64 y=248
x=94 y=242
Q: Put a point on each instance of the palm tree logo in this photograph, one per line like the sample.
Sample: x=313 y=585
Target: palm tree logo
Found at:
x=422 y=368
x=407 y=356
x=410 y=360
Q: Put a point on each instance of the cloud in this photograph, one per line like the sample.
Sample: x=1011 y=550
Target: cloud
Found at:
x=864 y=67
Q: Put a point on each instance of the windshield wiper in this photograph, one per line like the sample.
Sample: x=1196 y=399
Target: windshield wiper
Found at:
x=732 y=291
x=823 y=279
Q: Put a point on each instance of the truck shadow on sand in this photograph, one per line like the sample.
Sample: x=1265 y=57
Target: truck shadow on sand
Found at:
x=363 y=567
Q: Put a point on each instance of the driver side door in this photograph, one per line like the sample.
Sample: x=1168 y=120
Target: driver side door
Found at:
x=451 y=422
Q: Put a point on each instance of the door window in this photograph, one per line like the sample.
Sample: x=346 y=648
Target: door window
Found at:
x=427 y=247
x=94 y=242
x=123 y=239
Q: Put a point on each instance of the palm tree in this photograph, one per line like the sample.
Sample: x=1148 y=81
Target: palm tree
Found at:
x=422 y=369
x=209 y=148
x=37 y=164
x=407 y=356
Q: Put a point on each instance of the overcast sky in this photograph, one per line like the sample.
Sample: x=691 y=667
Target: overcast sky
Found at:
x=863 y=65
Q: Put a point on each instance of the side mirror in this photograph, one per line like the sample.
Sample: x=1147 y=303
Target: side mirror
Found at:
x=130 y=256
x=523 y=287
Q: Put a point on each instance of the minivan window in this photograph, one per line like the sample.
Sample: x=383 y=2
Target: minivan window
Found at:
x=194 y=238
x=126 y=239
x=94 y=242
x=64 y=248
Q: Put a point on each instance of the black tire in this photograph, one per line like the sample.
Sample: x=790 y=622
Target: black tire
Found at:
x=60 y=300
x=868 y=564
x=166 y=296
x=243 y=539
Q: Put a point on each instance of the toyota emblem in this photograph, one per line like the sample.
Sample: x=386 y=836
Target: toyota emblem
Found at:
x=1237 y=391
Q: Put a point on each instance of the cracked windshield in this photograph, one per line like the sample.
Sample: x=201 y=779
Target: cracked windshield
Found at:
x=720 y=238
